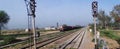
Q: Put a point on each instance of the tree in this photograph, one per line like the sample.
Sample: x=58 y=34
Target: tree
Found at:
x=115 y=14
x=4 y=18
x=103 y=19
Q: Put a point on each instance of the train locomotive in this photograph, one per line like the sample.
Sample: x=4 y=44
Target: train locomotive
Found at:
x=67 y=28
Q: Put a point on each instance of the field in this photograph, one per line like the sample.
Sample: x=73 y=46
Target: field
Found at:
x=12 y=36
x=112 y=37
x=45 y=35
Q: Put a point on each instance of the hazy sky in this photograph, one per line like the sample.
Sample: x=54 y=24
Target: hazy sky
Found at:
x=49 y=12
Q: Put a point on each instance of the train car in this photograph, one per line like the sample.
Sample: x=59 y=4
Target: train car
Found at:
x=67 y=28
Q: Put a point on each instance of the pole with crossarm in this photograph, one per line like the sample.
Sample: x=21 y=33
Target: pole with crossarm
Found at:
x=95 y=13
x=31 y=4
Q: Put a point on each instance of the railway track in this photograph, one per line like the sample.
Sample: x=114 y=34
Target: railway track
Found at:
x=74 y=42
x=47 y=41
x=50 y=40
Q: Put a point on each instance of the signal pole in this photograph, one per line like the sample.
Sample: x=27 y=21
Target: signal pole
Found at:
x=32 y=8
x=29 y=21
x=31 y=12
x=95 y=13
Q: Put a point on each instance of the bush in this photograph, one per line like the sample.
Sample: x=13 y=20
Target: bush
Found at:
x=9 y=39
x=2 y=43
x=110 y=34
x=118 y=40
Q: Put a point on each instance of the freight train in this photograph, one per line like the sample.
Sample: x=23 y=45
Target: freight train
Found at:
x=67 y=28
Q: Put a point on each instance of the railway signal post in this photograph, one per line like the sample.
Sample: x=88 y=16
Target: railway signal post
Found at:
x=31 y=12
x=95 y=13
x=32 y=8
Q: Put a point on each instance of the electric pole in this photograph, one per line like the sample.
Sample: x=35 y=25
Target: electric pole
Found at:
x=95 y=13
x=29 y=21
x=31 y=12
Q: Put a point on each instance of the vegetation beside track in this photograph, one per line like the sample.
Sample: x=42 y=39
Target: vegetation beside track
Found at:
x=43 y=37
x=115 y=35
x=15 y=35
x=7 y=39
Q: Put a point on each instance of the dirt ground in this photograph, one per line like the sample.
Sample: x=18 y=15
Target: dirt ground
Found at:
x=112 y=44
x=87 y=43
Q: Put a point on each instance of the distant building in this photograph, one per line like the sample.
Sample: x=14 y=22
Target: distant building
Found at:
x=50 y=28
x=27 y=30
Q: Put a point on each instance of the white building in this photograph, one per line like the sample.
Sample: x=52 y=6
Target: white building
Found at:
x=50 y=28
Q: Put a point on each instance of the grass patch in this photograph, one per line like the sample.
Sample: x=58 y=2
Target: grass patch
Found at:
x=8 y=40
x=110 y=34
x=14 y=35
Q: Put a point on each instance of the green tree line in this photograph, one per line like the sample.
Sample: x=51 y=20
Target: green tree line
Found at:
x=111 y=20
x=4 y=18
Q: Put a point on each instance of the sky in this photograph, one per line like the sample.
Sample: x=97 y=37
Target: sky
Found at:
x=49 y=12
